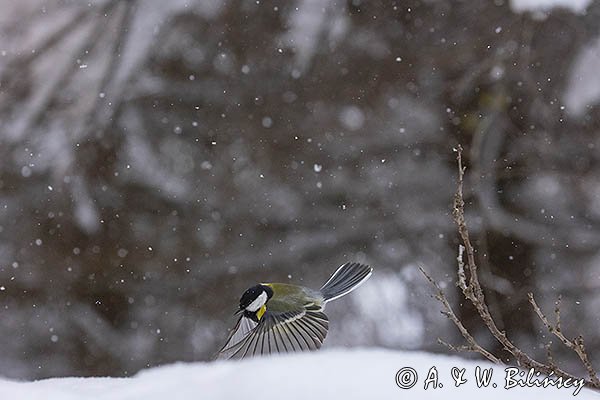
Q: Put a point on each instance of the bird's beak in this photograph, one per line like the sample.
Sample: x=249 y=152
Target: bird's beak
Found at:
x=238 y=311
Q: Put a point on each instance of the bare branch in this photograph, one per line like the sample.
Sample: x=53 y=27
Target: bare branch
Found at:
x=457 y=349
x=462 y=280
x=468 y=282
x=448 y=312
x=549 y=355
x=576 y=344
x=557 y=312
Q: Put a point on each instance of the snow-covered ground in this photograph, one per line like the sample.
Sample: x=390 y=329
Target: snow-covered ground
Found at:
x=337 y=374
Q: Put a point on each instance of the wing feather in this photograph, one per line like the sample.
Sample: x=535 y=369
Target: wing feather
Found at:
x=285 y=332
x=309 y=333
x=240 y=331
x=302 y=344
x=272 y=339
x=281 y=330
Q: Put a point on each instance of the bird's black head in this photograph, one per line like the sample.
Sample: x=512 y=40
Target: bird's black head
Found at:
x=254 y=299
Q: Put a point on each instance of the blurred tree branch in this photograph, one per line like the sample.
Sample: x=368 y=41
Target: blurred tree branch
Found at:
x=486 y=150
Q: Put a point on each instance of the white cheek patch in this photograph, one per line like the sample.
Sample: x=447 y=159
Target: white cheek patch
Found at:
x=258 y=302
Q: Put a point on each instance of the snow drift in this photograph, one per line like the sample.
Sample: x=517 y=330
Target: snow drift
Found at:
x=338 y=374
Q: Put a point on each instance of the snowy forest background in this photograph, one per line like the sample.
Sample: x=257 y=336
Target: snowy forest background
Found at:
x=159 y=157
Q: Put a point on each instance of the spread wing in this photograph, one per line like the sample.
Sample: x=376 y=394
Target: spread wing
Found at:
x=278 y=332
x=241 y=329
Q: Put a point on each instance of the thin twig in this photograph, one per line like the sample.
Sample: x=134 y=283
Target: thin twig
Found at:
x=549 y=355
x=448 y=312
x=576 y=344
x=557 y=312
x=454 y=348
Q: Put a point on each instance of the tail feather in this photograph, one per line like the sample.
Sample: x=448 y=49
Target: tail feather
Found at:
x=345 y=279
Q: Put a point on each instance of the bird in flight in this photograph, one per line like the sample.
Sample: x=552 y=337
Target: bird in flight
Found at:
x=282 y=318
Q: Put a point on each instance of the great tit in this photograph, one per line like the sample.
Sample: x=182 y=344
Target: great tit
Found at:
x=281 y=318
